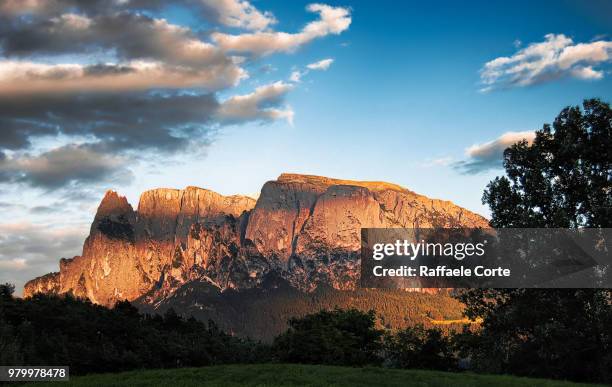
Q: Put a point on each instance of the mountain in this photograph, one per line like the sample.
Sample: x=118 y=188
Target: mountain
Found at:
x=193 y=249
x=128 y=252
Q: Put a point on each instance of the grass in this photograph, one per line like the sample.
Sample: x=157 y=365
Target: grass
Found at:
x=301 y=375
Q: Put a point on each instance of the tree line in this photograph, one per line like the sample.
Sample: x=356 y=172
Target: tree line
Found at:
x=63 y=330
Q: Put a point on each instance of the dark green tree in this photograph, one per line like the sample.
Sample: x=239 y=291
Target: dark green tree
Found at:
x=563 y=179
x=6 y=291
x=417 y=347
x=63 y=330
x=338 y=337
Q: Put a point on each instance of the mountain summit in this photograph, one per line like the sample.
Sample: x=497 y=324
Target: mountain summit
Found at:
x=303 y=229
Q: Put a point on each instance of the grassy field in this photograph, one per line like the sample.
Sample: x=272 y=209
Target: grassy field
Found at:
x=301 y=375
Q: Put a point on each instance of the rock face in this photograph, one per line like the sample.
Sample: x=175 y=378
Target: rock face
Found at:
x=128 y=252
x=48 y=283
x=304 y=228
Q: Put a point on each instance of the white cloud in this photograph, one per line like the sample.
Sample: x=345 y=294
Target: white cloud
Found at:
x=72 y=21
x=554 y=58
x=489 y=155
x=25 y=77
x=149 y=53
x=587 y=73
x=240 y=14
x=262 y=104
x=296 y=76
x=322 y=65
x=492 y=148
x=332 y=20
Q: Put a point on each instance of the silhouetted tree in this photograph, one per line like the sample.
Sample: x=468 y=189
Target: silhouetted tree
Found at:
x=60 y=330
x=339 y=337
x=563 y=179
x=421 y=348
x=6 y=291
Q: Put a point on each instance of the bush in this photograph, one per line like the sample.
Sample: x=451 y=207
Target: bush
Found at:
x=420 y=348
x=338 y=337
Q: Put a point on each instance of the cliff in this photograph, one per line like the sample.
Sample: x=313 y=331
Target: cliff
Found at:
x=305 y=228
x=128 y=252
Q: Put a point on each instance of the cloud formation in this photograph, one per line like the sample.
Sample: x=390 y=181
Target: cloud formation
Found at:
x=140 y=52
x=332 y=20
x=121 y=75
x=25 y=77
x=24 y=240
x=260 y=105
x=90 y=90
x=231 y=13
x=555 y=58
x=296 y=76
x=323 y=64
x=117 y=121
x=66 y=165
x=489 y=155
x=27 y=248
x=239 y=14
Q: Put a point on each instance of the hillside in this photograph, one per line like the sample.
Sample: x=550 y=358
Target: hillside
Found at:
x=263 y=312
x=303 y=375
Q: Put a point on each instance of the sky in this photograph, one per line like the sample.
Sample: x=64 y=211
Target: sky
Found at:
x=132 y=95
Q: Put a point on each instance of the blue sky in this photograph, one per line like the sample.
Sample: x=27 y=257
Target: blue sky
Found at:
x=403 y=90
x=402 y=102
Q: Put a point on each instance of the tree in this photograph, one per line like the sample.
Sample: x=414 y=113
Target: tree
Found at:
x=417 y=347
x=338 y=337
x=60 y=330
x=6 y=291
x=563 y=179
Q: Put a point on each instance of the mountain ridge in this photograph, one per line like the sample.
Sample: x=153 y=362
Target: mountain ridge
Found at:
x=303 y=227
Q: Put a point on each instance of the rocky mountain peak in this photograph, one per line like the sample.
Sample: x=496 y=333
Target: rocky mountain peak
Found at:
x=113 y=204
x=114 y=211
x=305 y=228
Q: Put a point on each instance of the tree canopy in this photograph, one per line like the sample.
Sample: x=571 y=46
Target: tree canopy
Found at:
x=561 y=180
x=337 y=337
